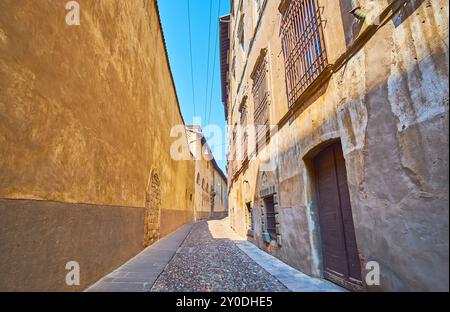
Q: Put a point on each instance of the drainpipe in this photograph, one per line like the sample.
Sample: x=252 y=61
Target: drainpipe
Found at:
x=356 y=10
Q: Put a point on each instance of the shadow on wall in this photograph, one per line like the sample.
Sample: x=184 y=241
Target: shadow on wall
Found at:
x=409 y=8
x=353 y=26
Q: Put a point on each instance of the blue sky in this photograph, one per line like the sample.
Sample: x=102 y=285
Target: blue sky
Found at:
x=174 y=18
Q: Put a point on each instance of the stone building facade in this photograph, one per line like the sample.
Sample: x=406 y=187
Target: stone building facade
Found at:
x=353 y=168
x=86 y=114
x=211 y=196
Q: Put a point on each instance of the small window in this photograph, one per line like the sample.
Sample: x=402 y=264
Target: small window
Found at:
x=271 y=224
x=258 y=6
x=244 y=133
x=198 y=178
x=233 y=67
x=249 y=217
x=241 y=32
x=261 y=97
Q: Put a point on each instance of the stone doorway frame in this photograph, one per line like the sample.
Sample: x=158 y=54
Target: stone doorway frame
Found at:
x=152 y=213
x=310 y=184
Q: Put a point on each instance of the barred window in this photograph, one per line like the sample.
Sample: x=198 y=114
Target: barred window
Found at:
x=258 y=7
x=303 y=46
x=261 y=97
x=249 y=217
x=233 y=67
x=241 y=32
x=243 y=121
x=234 y=151
x=271 y=221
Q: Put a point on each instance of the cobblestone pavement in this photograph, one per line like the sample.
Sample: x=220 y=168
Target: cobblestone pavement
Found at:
x=209 y=261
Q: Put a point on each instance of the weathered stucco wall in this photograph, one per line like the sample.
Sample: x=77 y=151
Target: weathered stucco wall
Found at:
x=85 y=117
x=389 y=107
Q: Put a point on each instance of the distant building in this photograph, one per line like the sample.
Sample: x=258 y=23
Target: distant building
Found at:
x=211 y=196
x=352 y=167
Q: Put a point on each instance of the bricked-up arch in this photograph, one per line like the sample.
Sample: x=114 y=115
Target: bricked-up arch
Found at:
x=152 y=217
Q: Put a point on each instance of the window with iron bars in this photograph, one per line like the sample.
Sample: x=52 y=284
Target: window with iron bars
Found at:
x=303 y=46
x=258 y=6
x=234 y=152
x=241 y=32
x=249 y=217
x=261 y=98
x=233 y=67
x=243 y=123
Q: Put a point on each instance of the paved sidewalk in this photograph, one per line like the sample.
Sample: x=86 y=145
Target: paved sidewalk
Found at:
x=140 y=273
x=293 y=279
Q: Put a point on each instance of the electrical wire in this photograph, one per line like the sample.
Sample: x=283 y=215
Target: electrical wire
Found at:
x=215 y=58
x=190 y=52
x=207 y=63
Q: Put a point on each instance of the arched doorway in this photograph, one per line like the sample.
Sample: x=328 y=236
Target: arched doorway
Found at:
x=339 y=247
x=152 y=217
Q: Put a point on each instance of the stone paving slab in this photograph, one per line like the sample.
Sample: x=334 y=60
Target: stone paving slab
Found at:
x=293 y=279
x=140 y=273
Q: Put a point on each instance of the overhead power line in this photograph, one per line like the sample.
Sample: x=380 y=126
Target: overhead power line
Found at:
x=209 y=52
x=215 y=57
x=190 y=52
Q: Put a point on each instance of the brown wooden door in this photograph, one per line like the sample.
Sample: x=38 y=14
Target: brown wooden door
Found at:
x=340 y=252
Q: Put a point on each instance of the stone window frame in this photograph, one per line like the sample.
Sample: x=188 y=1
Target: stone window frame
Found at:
x=233 y=67
x=250 y=221
x=271 y=191
x=241 y=32
x=261 y=108
x=305 y=55
x=243 y=120
x=258 y=8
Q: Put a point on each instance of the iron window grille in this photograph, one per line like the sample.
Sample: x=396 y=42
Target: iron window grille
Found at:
x=271 y=223
x=249 y=217
x=261 y=98
x=259 y=6
x=241 y=31
x=303 y=46
x=233 y=67
x=233 y=160
x=243 y=121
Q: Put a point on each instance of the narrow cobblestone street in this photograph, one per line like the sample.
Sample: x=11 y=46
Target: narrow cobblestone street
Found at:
x=208 y=260
x=207 y=256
